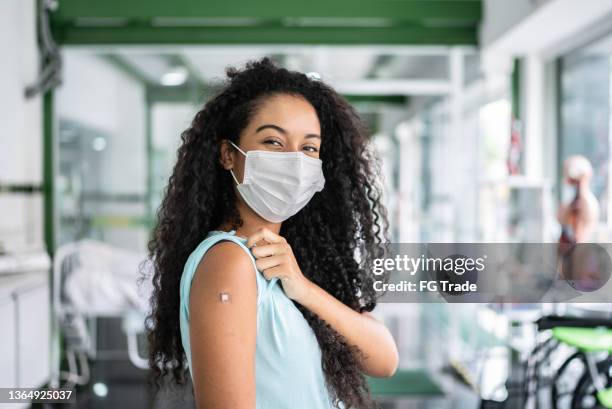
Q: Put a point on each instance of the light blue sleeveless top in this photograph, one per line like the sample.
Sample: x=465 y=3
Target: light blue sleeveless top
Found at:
x=288 y=372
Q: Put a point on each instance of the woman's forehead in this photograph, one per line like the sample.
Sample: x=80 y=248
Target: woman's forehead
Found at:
x=292 y=113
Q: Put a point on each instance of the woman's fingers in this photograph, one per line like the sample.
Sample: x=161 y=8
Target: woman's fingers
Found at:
x=277 y=271
x=268 y=262
x=274 y=258
x=269 y=250
x=264 y=234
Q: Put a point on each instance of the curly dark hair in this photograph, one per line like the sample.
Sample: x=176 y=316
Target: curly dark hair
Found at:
x=334 y=238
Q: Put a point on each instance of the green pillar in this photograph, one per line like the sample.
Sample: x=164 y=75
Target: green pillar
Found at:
x=48 y=172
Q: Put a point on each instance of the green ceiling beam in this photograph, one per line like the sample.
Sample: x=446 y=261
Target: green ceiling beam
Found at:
x=414 y=10
x=378 y=99
x=266 y=35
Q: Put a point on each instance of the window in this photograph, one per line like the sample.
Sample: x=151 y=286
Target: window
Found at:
x=585 y=113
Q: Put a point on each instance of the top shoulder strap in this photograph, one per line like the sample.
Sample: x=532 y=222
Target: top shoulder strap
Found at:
x=196 y=256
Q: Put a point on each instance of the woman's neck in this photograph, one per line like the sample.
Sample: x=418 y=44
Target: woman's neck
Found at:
x=251 y=222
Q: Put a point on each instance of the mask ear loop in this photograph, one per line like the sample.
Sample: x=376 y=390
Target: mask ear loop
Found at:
x=236 y=146
x=234 y=176
x=231 y=170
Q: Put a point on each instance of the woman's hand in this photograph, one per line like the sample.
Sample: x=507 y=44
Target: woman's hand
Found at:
x=275 y=259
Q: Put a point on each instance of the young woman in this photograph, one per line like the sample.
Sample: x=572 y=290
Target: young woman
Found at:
x=263 y=248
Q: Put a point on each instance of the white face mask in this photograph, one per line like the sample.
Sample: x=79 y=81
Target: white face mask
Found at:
x=277 y=185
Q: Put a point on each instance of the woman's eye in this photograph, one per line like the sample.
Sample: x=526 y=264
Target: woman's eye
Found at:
x=311 y=149
x=273 y=142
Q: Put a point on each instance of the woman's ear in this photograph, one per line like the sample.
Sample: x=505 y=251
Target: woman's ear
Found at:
x=226 y=155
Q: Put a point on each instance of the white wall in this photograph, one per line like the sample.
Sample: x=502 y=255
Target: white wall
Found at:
x=24 y=314
x=20 y=118
x=20 y=126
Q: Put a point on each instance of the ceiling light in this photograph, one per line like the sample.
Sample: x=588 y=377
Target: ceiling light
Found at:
x=175 y=76
x=99 y=143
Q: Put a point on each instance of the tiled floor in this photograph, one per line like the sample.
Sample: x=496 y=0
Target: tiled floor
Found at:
x=125 y=386
x=128 y=387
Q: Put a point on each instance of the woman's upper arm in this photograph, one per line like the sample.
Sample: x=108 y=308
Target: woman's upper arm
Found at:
x=223 y=332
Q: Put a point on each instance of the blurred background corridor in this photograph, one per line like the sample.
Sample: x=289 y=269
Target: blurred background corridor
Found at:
x=473 y=107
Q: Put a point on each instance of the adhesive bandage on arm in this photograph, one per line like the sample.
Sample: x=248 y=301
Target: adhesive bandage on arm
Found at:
x=224 y=297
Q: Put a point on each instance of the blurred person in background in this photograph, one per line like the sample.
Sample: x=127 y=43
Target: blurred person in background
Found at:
x=581 y=267
x=579 y=217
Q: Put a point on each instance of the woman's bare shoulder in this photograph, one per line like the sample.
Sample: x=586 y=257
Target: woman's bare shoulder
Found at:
x=226 y=263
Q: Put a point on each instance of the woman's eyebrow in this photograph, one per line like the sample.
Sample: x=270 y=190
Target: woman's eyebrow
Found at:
x=284 y=132
x=278 y=128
